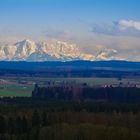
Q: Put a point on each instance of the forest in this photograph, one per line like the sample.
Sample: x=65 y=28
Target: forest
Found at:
x=86 y=93
x=41 y=119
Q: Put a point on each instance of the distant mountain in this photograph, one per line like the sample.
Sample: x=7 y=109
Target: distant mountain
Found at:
x=27 y=50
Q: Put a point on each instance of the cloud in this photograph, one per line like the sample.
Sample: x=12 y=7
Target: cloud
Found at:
x=125 y=24
x=119 y=28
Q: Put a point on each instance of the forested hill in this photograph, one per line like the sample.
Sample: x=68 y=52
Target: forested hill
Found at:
x=99 y=65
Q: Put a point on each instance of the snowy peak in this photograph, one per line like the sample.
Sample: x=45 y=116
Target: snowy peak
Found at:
x=106 y=54
x=25 y=42
x=24 y=49
x=45 y=51
x=60 y=50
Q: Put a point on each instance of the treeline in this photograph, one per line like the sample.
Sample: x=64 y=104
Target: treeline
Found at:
x=81 y=93
x=68 y=72
x=10 y=105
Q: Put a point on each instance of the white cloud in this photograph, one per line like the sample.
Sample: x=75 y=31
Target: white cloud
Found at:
x=119 y=28
x=125 y=24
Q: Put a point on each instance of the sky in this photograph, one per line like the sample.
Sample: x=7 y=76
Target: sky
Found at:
x=91 y=24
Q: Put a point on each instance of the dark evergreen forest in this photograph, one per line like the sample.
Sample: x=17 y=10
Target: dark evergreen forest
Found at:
x=41 y=119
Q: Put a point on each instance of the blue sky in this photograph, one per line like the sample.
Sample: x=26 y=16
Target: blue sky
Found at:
x=92 y=24
x=42 y=14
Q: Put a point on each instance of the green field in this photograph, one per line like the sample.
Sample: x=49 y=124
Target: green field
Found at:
x=15 y=90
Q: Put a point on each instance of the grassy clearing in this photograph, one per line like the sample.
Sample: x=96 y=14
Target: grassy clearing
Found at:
x=15 y=90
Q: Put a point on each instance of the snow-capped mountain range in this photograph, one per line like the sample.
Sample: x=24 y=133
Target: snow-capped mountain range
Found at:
x=27 y=50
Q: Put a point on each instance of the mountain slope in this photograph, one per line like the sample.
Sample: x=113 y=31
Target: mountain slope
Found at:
x=27 y=50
